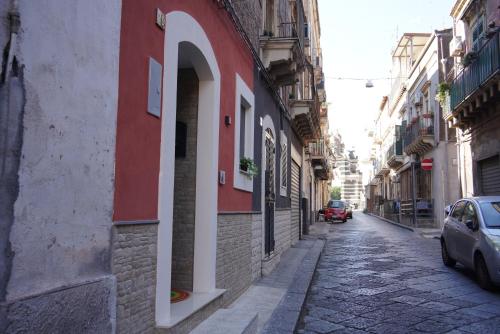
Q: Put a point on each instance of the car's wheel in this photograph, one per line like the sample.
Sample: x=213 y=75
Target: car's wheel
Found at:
x=483 y=277
x=343 y=221
x=447 y=260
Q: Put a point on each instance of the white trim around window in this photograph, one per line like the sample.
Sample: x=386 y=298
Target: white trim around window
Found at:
x=244 y=99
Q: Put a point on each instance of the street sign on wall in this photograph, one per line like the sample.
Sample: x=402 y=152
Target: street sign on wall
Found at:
x=426 y=164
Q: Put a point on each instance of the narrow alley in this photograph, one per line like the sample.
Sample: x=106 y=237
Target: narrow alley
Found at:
x=378 y=278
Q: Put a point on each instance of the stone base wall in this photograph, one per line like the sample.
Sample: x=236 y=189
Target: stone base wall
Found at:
x=83 y=308
x=282 y=230
x=134 y=265
x=236 y=253
x=257 y=241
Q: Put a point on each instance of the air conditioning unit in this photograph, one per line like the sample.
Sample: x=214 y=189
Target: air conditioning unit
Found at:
x=457 y=47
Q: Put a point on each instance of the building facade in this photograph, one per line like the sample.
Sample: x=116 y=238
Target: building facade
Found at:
x=409 y=134
x=153 y=147
x=472 y=95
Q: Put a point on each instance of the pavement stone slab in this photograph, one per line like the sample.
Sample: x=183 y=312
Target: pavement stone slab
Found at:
x=375 y=277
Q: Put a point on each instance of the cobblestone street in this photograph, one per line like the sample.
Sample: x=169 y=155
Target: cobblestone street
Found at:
x=377 y=278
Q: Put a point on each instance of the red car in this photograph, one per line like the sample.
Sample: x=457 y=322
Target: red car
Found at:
x=336 y=210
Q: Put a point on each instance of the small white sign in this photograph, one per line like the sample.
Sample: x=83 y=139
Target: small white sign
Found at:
x=160 y=19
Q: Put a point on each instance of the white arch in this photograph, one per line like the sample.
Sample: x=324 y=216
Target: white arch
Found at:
x=267 y=123
x=181 y=27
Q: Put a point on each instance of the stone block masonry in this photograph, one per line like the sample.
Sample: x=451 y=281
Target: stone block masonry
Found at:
x=134 y=264
x=282 y=230
x=185 y=183
x=235 y=253
x=257 y=240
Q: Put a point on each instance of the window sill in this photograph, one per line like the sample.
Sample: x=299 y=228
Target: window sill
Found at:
x=243 y=181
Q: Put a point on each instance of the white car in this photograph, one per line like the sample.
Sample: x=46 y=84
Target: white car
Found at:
x=471 y=236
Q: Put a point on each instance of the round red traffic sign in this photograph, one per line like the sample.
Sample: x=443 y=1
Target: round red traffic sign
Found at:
x=426 y=164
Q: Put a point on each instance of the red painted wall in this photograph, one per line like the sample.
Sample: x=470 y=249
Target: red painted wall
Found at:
x=138 y=133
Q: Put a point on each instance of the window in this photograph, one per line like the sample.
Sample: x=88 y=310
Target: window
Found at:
x=283 y=164
x=458 y=210
x=243 y=133
x=477 y=33
x=491 y=214
x=244 y=108
x=469 y=214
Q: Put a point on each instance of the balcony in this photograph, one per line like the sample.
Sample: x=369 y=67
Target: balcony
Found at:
x=477 y=85
x=381 y=169
x=305 y=109
x=280 y=53
x=394 y=155
x=419 y=135
x=318 y=153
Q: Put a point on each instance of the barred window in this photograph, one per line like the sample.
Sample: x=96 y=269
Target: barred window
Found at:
x=283 y=165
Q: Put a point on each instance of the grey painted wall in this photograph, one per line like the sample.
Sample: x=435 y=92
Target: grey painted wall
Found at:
x=265 y=104
x=62 y=215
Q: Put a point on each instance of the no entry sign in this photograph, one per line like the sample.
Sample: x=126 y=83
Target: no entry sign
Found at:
x=426 y=164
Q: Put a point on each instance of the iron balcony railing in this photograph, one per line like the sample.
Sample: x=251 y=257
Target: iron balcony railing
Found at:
x=318 y=149
x=420 y=126
x=485 y=64
x=287 y=30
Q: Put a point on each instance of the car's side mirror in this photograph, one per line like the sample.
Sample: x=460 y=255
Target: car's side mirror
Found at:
x=447 y=210
x=471 y=225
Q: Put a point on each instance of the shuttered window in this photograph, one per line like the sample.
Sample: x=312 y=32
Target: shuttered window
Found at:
x=489 y=176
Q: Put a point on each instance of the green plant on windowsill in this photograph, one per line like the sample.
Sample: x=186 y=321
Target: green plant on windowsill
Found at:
x=443 y=92
x=248 y=167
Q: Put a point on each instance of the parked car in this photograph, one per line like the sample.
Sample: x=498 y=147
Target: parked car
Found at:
x=349 y=211
x=471 y=236
x=336 y=210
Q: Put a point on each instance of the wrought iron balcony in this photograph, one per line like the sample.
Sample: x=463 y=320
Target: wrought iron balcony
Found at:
x=419 y=135
x=282 y=52
x=318 y=152
x=475 y=84
x=394 y=155
x=305 y=109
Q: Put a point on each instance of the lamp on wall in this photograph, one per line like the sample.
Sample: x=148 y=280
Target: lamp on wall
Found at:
x=369 y=84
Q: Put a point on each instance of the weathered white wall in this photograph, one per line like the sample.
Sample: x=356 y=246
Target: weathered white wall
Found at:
x=61 y=232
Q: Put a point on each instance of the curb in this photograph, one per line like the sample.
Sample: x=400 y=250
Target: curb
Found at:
x=392 y=222
x=286 y=315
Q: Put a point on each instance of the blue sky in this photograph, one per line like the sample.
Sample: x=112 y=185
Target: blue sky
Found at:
x=357 y=38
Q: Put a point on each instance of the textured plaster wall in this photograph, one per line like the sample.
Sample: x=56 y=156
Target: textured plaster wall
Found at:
x=250 y=14
x=62 y=228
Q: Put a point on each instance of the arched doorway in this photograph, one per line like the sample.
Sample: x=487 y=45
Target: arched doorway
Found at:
x=189 y=61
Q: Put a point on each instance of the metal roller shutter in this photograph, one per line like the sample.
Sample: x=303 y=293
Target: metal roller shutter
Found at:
x=295 y=198
x=489 y=177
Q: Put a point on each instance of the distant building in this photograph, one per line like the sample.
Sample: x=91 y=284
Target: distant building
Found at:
x=351 y=179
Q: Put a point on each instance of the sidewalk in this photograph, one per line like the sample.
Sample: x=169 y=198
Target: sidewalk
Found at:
x=428 y=233
x=273 y=303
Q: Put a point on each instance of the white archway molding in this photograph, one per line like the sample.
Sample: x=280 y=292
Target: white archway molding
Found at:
x=183 y=31
x=267 y=123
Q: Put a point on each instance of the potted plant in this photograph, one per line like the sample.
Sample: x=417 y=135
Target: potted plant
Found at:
x=248 y=167
x=443 y=92
x=469 y=58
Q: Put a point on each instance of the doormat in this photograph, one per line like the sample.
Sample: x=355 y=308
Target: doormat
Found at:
x=178 y=295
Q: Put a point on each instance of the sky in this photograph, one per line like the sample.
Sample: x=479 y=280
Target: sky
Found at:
x=357 y=38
